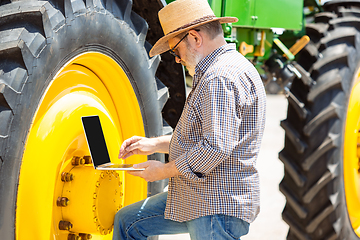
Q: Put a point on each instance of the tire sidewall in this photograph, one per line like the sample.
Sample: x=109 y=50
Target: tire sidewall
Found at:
x=110 y=36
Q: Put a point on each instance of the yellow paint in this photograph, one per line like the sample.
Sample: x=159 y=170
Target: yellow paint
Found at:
x=244 y=48
x=351 y=157
x=89 y=84
x=103 y=192
x=298 y=46
x=260 y=49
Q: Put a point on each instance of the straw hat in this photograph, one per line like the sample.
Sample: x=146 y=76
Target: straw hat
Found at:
x=183 y=15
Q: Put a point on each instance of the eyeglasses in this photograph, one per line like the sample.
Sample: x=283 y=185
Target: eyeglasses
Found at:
x=172 y=49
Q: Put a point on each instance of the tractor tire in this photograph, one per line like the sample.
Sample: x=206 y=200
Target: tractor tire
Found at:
x=321 y=130
x=60 y=60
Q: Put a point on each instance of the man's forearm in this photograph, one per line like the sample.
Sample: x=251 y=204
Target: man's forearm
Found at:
x=155 y=170
x=163 y=143
x=171 y=170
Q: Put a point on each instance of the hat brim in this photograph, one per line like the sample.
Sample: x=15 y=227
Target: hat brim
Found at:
x=162 y=44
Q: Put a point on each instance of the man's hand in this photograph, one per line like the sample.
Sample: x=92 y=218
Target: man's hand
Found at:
x=155 y=170
x=144 y=146
x=137 y=145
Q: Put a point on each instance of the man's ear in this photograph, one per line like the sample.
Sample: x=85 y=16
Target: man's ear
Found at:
x=196 y=37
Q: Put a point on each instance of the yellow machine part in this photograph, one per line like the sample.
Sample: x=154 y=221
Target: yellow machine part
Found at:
x=60 y=194
x=352 y=156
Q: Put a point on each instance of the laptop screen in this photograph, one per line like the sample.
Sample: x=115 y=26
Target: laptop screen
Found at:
x=96 y=140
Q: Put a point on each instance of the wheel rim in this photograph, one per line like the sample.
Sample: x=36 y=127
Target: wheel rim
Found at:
x=352 y=156
x=48 y=199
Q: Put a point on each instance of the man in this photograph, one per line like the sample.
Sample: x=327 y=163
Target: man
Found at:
x=214 y=186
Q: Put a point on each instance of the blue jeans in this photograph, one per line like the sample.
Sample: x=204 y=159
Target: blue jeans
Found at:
x=146 y=218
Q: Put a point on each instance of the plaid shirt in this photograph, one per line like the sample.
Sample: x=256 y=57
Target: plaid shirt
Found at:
x=217 y=140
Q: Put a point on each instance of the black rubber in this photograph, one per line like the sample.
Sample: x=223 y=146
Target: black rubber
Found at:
x=36 y=40
x=170 y=73
x=313 y=182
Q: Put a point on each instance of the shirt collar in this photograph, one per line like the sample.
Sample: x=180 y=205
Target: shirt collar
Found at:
x=206 y=62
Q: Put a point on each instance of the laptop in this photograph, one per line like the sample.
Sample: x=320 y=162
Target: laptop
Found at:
x=97 y=146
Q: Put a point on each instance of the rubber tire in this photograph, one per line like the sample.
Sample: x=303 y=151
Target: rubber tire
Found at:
x=36 y=40
x=169 y=71
x=313 y=183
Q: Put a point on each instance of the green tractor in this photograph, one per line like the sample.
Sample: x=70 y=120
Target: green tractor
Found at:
x=321 y=82
x=322 y=129
x=63 y=59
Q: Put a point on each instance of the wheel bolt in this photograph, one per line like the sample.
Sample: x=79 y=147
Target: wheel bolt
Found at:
x=62 y=201
x=65 y=225
x=76 y=161
x=85 y=236
x=73 y=236
x=87 y=159
x=67 y=177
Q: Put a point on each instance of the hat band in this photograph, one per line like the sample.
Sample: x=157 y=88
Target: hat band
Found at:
x=200 y=20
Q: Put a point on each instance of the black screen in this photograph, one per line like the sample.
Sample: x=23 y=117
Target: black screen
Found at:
x=96 y=140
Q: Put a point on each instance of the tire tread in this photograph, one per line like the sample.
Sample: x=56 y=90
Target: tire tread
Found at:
x=313 y=180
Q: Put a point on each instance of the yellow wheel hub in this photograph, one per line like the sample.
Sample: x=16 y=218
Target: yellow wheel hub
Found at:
x=103 y=190
x=60 y=194
x=352 y=156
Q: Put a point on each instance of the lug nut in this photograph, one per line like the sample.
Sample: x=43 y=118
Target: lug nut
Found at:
x=73 y=236
x=62 y=201
x=65 y=225
x=76 y=161
x=87 y=159
x=67 y=177
x=85 y=236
